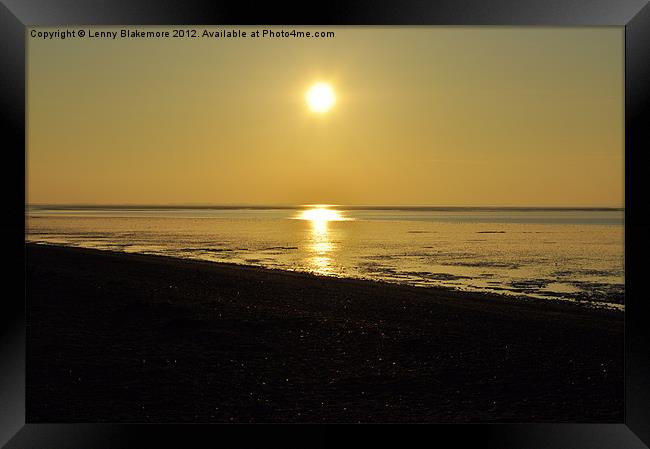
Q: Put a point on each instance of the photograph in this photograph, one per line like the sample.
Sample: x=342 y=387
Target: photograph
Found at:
x=325 y=224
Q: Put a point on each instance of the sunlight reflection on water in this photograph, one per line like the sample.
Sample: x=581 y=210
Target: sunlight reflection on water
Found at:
x=321 y=243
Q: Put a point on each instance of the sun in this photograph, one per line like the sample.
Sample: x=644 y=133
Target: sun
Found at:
x=320 y=97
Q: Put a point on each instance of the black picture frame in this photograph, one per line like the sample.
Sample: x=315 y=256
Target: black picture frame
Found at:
x=16 y=15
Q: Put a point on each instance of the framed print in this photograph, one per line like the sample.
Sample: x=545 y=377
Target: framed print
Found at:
x=381 y=214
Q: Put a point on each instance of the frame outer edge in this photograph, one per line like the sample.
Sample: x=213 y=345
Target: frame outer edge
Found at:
x=637 y=235
x=12 y=89
x=12 y=226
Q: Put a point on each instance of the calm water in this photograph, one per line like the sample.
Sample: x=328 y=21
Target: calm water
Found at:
x=561 y=254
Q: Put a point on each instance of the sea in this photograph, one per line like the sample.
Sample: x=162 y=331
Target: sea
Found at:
x=549 y=253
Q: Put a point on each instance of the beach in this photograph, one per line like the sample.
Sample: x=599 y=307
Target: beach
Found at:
x=142 y=338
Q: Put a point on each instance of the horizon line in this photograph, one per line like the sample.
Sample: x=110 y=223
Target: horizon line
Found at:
x=253 y=206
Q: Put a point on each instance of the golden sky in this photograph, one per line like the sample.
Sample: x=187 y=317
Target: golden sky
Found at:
x=483 y=116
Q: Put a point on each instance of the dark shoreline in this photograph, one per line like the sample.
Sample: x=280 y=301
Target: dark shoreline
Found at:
x=137 y=338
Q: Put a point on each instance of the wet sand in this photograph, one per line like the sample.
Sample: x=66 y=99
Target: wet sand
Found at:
x=135 y=338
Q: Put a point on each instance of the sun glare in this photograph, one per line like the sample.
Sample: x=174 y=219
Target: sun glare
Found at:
x=320 y=97
x=321 y=214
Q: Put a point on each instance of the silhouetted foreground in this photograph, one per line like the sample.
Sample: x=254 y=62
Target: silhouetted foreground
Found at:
x=135 y=338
